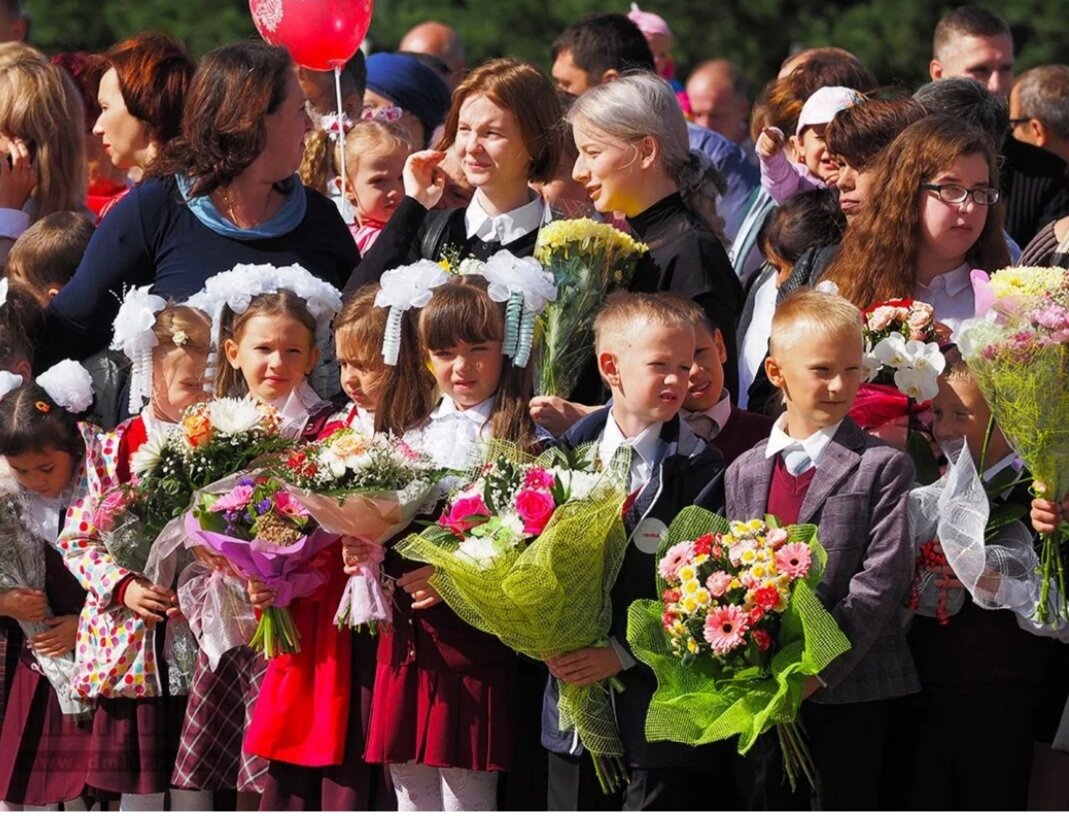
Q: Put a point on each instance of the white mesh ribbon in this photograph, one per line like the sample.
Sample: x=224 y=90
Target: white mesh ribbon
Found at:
x=68 y=385
x=238 y=286
x=132 y=334
x=401 y=289
x=527 y=288
x=9 y=381
x=998 y=574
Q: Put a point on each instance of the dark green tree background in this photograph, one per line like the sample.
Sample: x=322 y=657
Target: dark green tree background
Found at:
x=893 y=37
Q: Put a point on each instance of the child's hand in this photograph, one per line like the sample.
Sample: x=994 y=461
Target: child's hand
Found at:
x=59 y=639
x=18 y=178
x=584 y=667
x=1047 y=515
x=770 y=142
x=355 y=552
x=424 y=179
x=260 y=595
x=23 y=604
x=415 y=583
x=215 y=562
x=149 y=601
x=557 y=415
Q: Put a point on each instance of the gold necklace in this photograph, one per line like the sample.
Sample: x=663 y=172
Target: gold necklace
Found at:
x=229 y=204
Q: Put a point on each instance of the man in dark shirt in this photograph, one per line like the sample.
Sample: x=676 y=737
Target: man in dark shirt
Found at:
x=972 y=41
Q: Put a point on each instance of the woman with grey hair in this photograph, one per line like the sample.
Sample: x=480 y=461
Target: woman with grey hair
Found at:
x=635 y=159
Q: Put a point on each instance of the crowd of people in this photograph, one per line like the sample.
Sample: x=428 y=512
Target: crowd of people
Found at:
x=728 y=366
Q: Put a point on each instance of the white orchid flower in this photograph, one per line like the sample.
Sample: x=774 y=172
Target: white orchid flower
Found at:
x=917 y=383
x=892 y=351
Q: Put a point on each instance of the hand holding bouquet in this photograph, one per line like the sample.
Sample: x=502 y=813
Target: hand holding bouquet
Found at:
x=529 y=551
x=1017 y=350
x=737 y=631
x=367 y=488
x=588 y=260
x=268 y=536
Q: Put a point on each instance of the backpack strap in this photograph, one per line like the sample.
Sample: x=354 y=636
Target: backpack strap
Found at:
x=435 y=224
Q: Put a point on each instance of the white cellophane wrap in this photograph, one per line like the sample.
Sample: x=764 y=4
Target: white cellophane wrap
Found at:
x=215 y=605
x=22 y=564
x=375 y=517
x=997 y=574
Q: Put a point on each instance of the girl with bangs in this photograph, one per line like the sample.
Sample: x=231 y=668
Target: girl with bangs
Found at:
x=443 y=716
x=504 y=130
x=936 y=217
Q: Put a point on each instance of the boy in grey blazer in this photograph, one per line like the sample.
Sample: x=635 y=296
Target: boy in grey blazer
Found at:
x=819 y=467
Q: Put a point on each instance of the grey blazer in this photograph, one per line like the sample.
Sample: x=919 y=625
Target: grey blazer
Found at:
x=858 y=499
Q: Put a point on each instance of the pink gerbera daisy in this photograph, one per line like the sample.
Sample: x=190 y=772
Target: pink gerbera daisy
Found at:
x=677 y=555
x=794 y=559
x=724 y=628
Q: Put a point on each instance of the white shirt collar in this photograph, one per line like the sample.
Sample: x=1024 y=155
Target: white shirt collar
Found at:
x=1009 y=460
x=478 y=415
x=297 y=408
x=815 y=445
x=154 y=425
x=953 y=282
x=504 y=228
x=719 y=413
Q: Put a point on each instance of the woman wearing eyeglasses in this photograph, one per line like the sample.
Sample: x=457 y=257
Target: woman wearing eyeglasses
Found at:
x=932 y=216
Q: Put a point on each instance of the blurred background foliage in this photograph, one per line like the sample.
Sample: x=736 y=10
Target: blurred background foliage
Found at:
x=892 y=37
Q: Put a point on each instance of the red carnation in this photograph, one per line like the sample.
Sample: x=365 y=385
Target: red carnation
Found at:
x=703 y=544
x=766 y=597
x=763 y=639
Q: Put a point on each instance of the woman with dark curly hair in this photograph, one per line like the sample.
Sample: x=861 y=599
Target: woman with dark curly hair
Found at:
x=223 y=192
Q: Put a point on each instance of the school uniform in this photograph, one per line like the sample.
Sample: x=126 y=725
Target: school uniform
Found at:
x=732 y=430
x=972 y=726
x=855 y=488
x=671 y=469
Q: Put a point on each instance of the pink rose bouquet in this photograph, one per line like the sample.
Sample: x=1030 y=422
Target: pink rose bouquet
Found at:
x=528 y=551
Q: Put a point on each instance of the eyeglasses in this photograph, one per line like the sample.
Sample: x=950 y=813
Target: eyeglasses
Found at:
x=956 y=194
x=1014 y=123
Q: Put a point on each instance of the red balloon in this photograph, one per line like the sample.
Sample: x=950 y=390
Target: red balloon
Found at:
x=319 y=34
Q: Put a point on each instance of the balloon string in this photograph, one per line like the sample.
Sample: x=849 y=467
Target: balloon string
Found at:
x=337 y=92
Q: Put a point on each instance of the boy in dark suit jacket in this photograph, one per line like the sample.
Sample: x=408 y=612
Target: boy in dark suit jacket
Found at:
x=707 y=408
x=645 y=347
x=818 y=467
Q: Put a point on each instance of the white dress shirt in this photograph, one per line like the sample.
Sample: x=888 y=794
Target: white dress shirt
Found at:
x=643 y=446
x=504 y=228
x=297 y=408
x=452 y=435
x=755 y=343
x=719 y=413
x=951 y=297
x=814 y=446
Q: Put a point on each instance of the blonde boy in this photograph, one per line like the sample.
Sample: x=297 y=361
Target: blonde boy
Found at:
x=819 y=467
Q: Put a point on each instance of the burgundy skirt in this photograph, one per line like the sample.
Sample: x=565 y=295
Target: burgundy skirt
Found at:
x=353 y=785
x=134 y=743
x=44 y=755
x=210 y=755
x=442 y=718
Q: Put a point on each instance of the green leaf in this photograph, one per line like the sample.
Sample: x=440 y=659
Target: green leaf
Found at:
x=1003 y=516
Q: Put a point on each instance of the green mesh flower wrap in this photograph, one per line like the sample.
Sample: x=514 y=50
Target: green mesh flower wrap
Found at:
x=548 y=597
x=703 y=700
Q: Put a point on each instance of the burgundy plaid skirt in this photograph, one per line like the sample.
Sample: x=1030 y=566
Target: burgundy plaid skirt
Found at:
x=210 y=753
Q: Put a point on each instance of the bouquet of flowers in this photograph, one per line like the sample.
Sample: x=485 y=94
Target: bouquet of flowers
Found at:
x=213 y=440
x=368 y=487
x=737 y=630
x=253 y=522
x=902 y=366
x=1017 y=350
x=22 y=565
x=528 y=552
x=588 y=260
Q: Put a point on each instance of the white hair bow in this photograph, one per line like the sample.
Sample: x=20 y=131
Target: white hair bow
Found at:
x=68 y=385
x=527 y=288
x=132 y=334
x=401 y=289
x=9 y=381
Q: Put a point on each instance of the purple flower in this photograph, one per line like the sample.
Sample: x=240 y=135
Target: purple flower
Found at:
x=263 y=506
x=248 y=481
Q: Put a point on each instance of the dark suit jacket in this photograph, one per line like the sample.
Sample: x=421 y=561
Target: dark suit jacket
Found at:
x=690 y=473
x=859 y=501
